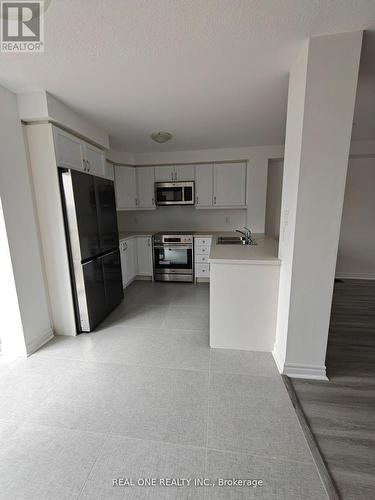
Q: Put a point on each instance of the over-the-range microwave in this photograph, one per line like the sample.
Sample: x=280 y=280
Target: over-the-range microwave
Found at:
x=174 y=193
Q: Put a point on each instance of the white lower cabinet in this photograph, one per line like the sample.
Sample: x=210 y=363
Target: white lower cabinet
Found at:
x=144 y=256
x=128 y=261
x=136 y=258
x=202 y=246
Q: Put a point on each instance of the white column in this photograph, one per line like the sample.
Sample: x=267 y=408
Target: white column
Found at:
x=25 y=324
x=322 y=90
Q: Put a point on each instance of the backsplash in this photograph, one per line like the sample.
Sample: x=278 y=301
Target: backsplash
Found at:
x=181 y=218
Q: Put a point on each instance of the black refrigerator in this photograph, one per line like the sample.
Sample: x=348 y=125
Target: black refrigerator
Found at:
x=89 y=207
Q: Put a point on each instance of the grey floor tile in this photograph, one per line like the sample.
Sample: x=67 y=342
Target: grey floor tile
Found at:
x=27 y=384
x=85 y=399
x=246 y=362
x=192 y=295
x=153 y=347
x=45 y=463
x=238 y=389
x=141 y=292
x=137 y=459
x=187 y=318
x=144 y=315
x=6 y=362
x=253 y=415
x=282 y=480
x=164 y=405
x=62 y=346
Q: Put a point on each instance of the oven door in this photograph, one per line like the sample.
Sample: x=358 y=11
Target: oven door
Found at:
x=173 y=259
x=169 y=195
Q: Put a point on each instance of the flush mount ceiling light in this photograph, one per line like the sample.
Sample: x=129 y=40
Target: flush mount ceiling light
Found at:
x=161 y=137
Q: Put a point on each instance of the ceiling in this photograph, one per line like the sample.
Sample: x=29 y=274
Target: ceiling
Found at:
x=212 y=72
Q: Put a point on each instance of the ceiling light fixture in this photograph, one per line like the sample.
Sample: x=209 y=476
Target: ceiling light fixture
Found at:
x=161 y=137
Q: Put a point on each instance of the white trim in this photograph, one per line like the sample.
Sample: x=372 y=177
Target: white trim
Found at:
x=355 y=276
x=36 y=344
x=277 y=359
x=314 y=372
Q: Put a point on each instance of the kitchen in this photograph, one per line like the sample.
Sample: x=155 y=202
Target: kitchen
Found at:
x=171 y=187
x=157 y=206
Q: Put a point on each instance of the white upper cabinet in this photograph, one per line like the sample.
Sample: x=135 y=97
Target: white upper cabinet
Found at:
x=229 y=185
x=95 y=160
x=126 y=188
x=164 y=174
x=204 y=185
x=144 y=256
x=69 y=150
x=184 y=172
x=109 y=171
x=176 y=173
x=72 y=152
x=145 y=187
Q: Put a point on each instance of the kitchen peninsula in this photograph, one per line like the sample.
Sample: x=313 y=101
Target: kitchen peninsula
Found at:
x=244 y=282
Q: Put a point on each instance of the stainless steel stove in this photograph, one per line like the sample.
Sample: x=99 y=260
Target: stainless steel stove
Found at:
x=173 y=256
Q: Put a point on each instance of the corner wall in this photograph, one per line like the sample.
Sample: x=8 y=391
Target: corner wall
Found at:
x=22 y=234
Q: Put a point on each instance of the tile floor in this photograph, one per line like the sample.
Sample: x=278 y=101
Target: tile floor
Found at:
x=145 y=397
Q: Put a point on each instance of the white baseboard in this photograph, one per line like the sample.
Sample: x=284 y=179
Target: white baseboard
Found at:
x=36 y=344
x=355 y=276
x=314 y=372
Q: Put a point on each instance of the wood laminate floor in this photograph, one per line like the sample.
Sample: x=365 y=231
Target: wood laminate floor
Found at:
x=341 y=412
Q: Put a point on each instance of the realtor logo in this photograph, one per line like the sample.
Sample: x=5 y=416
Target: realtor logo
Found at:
x=22 y=26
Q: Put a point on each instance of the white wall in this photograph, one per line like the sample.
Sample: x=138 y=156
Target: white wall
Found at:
x=41 y=106
x=181 y=218
x=321 y=100
x=356 y=254
x=257 y=157
x=22 y=231
x=273 y=203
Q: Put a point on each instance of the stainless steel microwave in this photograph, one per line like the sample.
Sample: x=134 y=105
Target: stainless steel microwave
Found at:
x=174 y=193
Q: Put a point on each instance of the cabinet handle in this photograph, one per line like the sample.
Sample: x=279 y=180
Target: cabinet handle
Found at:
x=214 y=200
x=153 y=201
x=135 y=201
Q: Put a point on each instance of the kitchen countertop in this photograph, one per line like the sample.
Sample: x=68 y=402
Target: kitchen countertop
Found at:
x=265 y=252
x=125 y=235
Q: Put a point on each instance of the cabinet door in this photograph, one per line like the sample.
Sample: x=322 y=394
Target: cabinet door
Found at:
x=132 y=258
x=126 y=188
x=164 y=174
x=230 y=185
x=184 y=172
x=144 y=256
x=95 y=160
x=146 y=187
x=109 y=171
x=204 y=185
x=69 y=150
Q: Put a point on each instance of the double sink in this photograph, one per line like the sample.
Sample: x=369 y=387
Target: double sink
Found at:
x=232 y=240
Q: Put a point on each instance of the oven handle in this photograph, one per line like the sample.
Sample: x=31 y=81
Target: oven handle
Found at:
x=174 y=247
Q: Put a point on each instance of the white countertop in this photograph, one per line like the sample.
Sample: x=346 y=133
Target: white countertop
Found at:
x=265 y=252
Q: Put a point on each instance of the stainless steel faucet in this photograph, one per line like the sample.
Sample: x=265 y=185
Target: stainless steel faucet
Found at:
x=247 y=235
